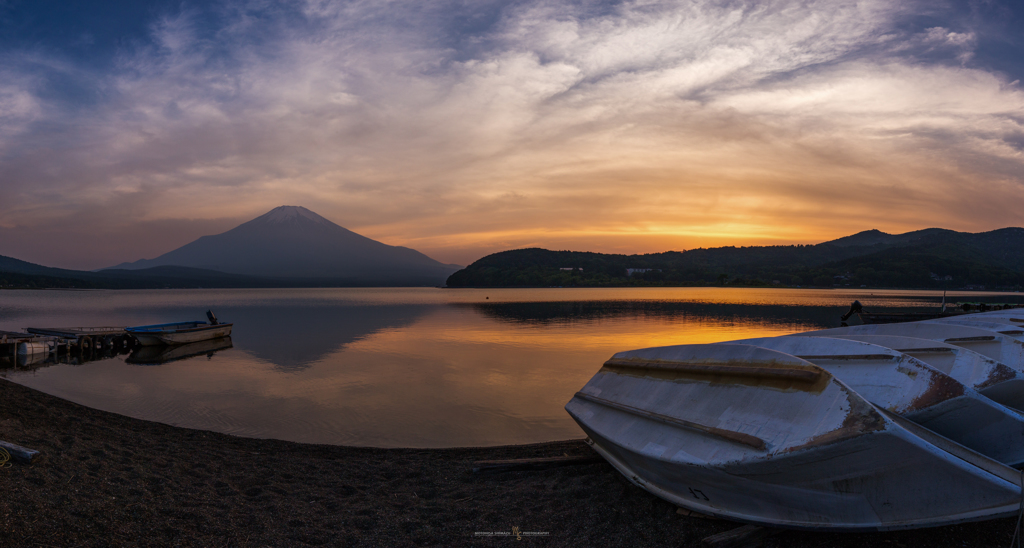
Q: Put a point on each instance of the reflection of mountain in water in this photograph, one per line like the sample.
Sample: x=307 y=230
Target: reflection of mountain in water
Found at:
x=568 y=312
x=294 y=337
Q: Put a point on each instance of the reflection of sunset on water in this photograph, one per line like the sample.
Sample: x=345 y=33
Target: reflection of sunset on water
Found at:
x=404 y=367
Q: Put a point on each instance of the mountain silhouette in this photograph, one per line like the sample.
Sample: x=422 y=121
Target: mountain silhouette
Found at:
x=932 y=258
x=292 y=242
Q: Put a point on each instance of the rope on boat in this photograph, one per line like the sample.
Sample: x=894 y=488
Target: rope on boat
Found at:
x=5 y=458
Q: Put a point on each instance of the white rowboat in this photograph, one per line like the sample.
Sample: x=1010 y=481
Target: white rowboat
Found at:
x=1003 y=348
x=912 y=389
x=992 y=379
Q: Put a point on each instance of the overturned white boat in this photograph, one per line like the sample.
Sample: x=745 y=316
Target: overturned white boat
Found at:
x=1002 y=325
x=1007 y=317
x=991 y=378
x=915 y=390
x=1004 y=349
x=1016 y=314
x=756 y=435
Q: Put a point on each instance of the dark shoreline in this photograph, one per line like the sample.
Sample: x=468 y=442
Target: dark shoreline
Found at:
x=108 y=480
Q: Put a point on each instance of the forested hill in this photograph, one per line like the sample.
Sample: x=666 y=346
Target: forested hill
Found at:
x=15 y=273
x=931 y=258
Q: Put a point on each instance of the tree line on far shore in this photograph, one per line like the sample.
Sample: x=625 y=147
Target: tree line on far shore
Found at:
x=938 y=259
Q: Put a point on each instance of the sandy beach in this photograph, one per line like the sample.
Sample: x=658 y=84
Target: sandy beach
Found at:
x=108 y=480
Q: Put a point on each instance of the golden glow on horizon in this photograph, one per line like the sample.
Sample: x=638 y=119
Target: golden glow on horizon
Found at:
x=466 y=248
x=644 y=128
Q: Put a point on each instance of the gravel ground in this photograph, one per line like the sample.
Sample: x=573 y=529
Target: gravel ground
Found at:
x=109 y=480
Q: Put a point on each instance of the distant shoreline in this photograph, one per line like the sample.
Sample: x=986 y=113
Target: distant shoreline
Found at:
x=737 y=286
x=816 y=288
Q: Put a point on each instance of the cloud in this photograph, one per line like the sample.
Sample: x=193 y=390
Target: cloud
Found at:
x=465 y=128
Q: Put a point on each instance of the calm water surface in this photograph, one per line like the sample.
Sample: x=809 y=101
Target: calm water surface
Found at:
x=407 y=367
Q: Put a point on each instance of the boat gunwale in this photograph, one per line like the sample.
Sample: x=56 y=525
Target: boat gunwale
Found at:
x=161 y=328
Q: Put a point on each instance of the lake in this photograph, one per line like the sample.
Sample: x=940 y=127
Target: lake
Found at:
x=403 y=367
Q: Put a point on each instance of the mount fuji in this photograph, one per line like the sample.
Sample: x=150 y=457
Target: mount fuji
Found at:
x=292 y=242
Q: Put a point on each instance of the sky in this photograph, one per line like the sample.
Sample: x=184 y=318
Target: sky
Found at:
x=129 y=128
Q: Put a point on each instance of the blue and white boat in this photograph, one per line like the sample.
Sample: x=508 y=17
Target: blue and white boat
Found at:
x=180 y=332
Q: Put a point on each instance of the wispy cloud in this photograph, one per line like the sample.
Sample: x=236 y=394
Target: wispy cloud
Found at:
x=463 y=128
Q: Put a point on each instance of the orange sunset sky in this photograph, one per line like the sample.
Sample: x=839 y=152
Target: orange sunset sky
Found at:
x=461 y=129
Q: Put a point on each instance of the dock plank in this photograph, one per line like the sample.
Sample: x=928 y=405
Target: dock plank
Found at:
x=16 y=335
x=75 y=332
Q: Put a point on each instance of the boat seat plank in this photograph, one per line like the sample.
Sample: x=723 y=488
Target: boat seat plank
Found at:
x=730 y=435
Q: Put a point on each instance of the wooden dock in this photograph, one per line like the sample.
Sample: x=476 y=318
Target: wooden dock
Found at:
x=80 y=332
x=7 y=337
x=40 y=342
x=97 y=338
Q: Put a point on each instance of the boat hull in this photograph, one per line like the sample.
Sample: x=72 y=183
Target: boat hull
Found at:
x=835 y=488
x=152 y=338
x=994 y=380
x=880 y=318
x=1004 y=349
x=913 y=389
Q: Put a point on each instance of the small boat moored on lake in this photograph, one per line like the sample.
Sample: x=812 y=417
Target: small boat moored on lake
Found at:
x=180 y=332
